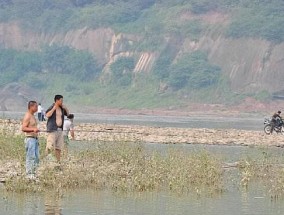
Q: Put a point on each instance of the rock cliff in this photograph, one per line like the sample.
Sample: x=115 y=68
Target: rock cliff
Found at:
x=250 y=64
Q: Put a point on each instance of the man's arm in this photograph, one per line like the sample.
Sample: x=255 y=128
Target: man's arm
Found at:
x=50 y=111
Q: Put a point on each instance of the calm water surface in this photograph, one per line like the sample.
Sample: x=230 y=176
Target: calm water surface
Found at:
x=107 y=203
x=234 y=201
x=246 y=123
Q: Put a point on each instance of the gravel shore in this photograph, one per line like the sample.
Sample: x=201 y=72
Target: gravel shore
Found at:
x=148 y=134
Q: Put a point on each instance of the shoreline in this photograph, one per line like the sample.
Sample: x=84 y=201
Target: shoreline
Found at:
x=164 y=135
x=123 y=166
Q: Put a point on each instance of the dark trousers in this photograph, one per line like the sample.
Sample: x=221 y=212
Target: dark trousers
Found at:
x=39 y=116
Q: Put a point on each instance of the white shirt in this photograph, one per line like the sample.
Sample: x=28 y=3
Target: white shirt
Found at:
x=67 y=126
x=39 y=109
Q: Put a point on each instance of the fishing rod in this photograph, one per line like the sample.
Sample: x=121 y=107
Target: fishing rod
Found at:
x=83 y=131
x=94 y=131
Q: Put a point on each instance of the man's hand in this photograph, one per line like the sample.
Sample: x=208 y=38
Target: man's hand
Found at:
x=36 y=130
x=56 y=106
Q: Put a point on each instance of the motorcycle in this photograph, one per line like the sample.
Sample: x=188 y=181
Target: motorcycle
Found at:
x=278 y=127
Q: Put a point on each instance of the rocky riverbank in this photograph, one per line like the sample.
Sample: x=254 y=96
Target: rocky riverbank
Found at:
x=126 y=166
x=111 y=132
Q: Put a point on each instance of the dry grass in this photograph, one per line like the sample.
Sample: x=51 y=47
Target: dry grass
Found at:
x=122 y=167
x=268 y=171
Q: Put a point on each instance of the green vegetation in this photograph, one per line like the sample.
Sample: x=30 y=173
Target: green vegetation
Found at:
x=193 y=70
x=17 y=65
x=267 y=171
x=121 y=166
x=253 y=18
x=162 y=25
x=259 y=19
x=12 y=147
x=122 y=71
x=125 y=166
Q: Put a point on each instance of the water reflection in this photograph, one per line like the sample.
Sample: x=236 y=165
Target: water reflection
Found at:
x=236 y=200
x=53 y=204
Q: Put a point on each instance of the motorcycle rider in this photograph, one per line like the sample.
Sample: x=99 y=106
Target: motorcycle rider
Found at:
x=276 y=121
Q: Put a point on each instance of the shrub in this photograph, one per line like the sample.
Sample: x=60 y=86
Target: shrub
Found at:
x=193 y=70
x=122 y=70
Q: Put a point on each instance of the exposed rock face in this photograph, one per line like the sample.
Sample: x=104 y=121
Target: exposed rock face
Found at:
x=251 y=64
x=15 y=95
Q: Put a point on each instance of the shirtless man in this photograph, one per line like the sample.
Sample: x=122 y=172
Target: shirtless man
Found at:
x=29 y=126
x=55 y=120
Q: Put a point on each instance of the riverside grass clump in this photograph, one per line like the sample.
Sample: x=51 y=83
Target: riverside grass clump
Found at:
x=120 y=166
x=267 y=171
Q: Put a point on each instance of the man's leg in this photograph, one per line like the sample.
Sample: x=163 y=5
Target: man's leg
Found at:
x=37 y=154
x=50 y=144
x=59 y=145
x=30 y=155
x=58 y=154
x=273 y=122
x=66 y=144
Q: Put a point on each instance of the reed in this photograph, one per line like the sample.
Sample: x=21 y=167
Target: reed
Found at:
x=267 y=171
x=123 y=166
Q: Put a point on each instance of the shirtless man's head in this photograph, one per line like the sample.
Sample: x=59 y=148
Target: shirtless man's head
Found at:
x=29 y=124
x=32 y=107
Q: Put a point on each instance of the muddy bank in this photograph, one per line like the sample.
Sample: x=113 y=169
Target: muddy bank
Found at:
x=111 y=132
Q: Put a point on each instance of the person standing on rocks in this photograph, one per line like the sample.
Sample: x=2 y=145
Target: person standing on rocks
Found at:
x=39 y=112
x=68 y=126
x=55 y=121
x=29 y=126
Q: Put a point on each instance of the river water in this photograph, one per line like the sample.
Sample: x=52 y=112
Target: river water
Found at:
x=246 y=123
x=233 y=201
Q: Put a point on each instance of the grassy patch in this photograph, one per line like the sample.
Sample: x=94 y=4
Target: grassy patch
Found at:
x=128 y=167
x=267 y=170
x=13 y=147
x=123 y=167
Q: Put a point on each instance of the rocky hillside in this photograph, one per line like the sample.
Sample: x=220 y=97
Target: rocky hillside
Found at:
x=178 y=61
x=250 y=64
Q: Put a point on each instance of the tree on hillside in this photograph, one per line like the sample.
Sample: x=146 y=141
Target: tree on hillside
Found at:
x=122 y=70
x=193 y=71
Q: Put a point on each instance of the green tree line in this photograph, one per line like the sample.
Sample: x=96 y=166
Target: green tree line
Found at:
x=54 y=59
x=248 y=18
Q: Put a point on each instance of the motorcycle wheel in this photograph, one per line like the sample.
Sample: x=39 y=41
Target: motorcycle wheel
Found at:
x=267 y=129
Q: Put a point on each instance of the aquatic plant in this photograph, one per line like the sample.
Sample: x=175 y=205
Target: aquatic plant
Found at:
x=267 y=170
x=124 y=166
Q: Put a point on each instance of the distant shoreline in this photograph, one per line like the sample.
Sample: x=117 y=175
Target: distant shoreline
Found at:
x=166 y=135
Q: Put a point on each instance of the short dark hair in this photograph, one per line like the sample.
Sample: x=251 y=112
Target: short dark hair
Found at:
x=57 y=97
x=70 y=116
x=31 y=103
x=279 y=111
